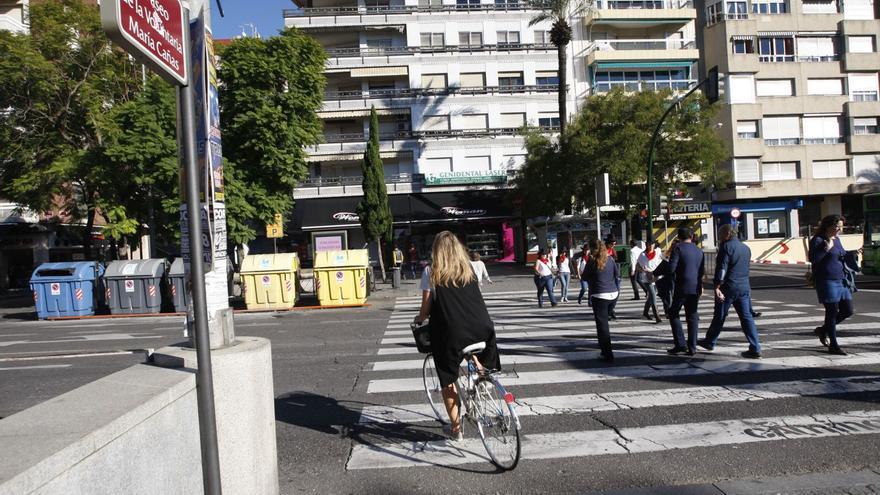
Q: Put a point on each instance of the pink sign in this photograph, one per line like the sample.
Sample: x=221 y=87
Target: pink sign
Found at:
x=328 y=243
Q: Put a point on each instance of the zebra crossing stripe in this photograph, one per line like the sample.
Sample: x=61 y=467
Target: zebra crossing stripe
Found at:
x=640 y=399
x=644 y=439
x=685 y=368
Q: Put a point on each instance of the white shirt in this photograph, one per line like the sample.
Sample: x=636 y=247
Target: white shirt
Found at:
x=426 y=279
x=608 y=296
x=634 y=254
x=582 y=263
x=543 y=268
x=564 y=265
x=480 y=271
x=650 y=265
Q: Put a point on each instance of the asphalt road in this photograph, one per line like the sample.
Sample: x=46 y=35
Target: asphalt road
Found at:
x=647 y=421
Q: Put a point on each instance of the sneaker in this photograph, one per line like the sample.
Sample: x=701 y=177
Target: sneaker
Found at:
x=823 y=337
x=750 y=354
x=706 y=345
x=757 y=314
x=676 y=350
x=836 y=351
x=454 y=437
x=553 y=305
x=690 y=352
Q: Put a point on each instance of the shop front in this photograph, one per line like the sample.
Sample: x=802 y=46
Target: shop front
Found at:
x=762 y=219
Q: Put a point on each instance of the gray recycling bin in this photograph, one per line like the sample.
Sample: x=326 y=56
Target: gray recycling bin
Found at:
x=134 y=287
x=177 y=285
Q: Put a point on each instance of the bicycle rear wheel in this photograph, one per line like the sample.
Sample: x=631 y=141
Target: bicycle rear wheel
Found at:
x=497 y=422
x=432 y=388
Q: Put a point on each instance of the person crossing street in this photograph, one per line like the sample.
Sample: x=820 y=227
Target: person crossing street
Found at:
x=687 y=268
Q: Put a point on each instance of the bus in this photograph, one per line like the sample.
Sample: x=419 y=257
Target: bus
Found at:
x=871 y=260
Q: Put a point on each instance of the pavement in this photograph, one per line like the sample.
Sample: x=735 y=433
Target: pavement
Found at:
x=351 y=415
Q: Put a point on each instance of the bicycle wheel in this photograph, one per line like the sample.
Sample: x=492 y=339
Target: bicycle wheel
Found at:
x=432 y=389
x=497 y=422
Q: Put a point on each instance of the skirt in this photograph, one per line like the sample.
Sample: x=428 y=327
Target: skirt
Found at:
x=832 y=291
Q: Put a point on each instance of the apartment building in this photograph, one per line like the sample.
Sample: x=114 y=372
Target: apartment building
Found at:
x=13 y=15
x=801 y=109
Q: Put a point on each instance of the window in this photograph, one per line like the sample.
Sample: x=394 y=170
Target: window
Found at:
x=829 y=169
x=433 y=81
x=714 y=13
x=865 y=125
x=779 y=171
x=430 y=3
x=473 y=121
x=819 y=6
x=776 y=49
x=467 y=4
x=548 y=119
x=858 y=9
x=435 y=123
x=507 y=3
x=747 y=129
x=512 y=120
x=379 y=43
x=512 y=161
x=863 y=87
x=743 y=45
x=781 y=131
x=865 y=168
x=822 y=129
x=437 y=165
x=652 y=80
x=769 y=7
x=821 y=87
x=817 y=49
x=542 y=37
x=774 y=87
x=860 y=44
x=472 y=80
x=507 y=79
x=746 y=171
x=547 y=78
x=507 y=37
x=474 y=163
x=470 y=38
x=741 y=88
x=432 y=40
x=737 y=10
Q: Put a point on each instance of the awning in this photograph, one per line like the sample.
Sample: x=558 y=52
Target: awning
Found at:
x=742 y=37
x=348 y=114
x=776 y=34
x=647 y=65
x=351 y=157
x=380 y=71
x=724 y=209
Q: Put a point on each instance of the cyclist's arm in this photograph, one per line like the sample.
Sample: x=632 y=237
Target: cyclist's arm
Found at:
x=425 y=309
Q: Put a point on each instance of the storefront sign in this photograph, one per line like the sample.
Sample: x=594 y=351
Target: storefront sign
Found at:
x=466 y=177
x=690 y=210
x=329 y=243
x=462 y=212
x=346 y=216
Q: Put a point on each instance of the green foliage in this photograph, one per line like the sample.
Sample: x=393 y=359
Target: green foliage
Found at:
x=374 y=210
x=612 y=134
x=57 y=83
x=270 y=93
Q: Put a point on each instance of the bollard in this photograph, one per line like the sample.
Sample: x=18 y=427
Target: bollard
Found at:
x=395 y=277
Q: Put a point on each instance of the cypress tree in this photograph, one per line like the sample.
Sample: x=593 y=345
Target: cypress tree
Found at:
x=374 y=210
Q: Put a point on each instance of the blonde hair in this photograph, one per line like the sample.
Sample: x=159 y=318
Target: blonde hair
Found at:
x=451 y=266
x=599 y=253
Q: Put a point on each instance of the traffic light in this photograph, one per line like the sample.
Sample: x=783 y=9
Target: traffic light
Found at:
x=714 y=85
x=664 y=204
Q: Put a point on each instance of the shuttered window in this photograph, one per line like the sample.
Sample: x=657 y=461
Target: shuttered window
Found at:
x=829 y=169
x=742 y=88
x=863 y=87
x=781 y=131
x=433 y=81
x=825 y=86
x=775 y=87
x=747 y=129
x=435 y=123
x=779 y=171
x=861 y=44
x=824 y=129
x=473 y=121
x=473 y=79
x=511 y=120
x=746 y=171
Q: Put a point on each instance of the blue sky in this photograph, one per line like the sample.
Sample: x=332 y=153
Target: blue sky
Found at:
x=264 y=14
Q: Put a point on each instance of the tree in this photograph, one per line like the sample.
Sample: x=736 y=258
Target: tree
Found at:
x=56 y=84
x=271 y=90
x=558 y=12
x=374 y=210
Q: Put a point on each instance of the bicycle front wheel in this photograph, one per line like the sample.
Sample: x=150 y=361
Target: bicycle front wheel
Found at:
x=432 y=388
x=497 y=422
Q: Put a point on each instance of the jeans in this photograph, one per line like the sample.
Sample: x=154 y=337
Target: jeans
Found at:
x=690 y=303
x=584 y=288
x=545 y=283
x=635 y=285
x=650 y=299
x=564 y=278
x=600 y=314
x=834 y=314
x=741 y=300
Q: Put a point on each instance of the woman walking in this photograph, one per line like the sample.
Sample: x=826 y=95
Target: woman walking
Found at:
x=564 y=273
x=603 y=276
x=827 y=257
x=458 y=316
x=648 y=261
x=544 y=279
x=480 y=269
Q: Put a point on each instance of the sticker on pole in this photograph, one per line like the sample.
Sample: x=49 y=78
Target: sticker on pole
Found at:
x=55 y=289
x=735 y=213
x=153 y=31
x=340 y=276
x=267 y=281
x=129 y=286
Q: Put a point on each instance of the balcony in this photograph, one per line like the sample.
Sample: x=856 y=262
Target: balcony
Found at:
x=354 y=100
x=351 y=185
x=378 y=10
x=863 y=143
x=396 y=137
x=641 y=50
x=859 y=62
x=413 y=50
x=645 y=12
x=793 y=141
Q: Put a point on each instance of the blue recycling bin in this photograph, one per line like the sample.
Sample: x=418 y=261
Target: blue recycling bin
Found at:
x=66 y=289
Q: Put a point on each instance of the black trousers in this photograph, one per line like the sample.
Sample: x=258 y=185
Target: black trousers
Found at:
x=600 y=314
x=690 y=303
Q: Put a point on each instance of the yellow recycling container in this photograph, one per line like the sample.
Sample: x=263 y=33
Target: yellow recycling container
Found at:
x=269 y=280
x=341 y=277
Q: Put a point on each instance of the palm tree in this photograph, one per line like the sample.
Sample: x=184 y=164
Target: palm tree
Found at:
x=559 y=12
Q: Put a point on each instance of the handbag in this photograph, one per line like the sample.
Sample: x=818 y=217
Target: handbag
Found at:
x=422 y=336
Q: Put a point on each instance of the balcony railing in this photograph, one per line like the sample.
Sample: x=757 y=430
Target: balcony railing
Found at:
x=783 y=141
x=642 y=44
x=864 y=95
x=639 y=86
x=359 y=137
x=818 y=58
x=412 y=50
x=644 y=4
x=823 y=140
x=429 y=92
x=716 y=17
x=404 y=9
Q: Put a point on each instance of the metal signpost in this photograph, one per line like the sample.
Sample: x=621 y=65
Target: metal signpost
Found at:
x=156 y=32
x=603 y=198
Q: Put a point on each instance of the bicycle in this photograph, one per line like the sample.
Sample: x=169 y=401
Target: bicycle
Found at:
x=483 y=402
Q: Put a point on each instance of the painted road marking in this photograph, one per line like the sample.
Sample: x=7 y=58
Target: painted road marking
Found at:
x=42 y=366
x=658 y=438
x=84 y=338
x=684 y=368
x=640 y=399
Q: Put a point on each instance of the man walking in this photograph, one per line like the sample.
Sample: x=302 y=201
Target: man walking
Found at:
x=687 y=268
x=732 y=289
x=635 y=249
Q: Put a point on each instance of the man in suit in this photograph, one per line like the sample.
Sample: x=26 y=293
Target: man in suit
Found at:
x=687 y=268
x=732 y=289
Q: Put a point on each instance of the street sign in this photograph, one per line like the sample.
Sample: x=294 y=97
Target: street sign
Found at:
x=735 y=213
x=153 y=31
x=275 y=230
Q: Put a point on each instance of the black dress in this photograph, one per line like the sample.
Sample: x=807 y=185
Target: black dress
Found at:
x=459 y=318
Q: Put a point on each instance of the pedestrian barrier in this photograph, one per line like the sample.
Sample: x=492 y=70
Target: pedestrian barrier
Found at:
x=177 y=285
x=269 y=281
x=341 y=277
x=134 y=287
x=65 y=289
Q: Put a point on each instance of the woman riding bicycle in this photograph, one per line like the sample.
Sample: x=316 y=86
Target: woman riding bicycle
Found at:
x=451 y=298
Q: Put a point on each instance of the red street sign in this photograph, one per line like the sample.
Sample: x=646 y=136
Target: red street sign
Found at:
x=154 y=31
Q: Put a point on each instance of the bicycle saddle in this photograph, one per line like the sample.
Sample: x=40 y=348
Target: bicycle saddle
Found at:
x=474 y=348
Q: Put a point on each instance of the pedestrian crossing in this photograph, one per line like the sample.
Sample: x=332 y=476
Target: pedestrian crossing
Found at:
x=550 y=360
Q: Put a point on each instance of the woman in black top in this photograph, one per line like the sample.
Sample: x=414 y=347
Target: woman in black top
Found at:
x=603 y=277
x=827 y=258
x=458 y=318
